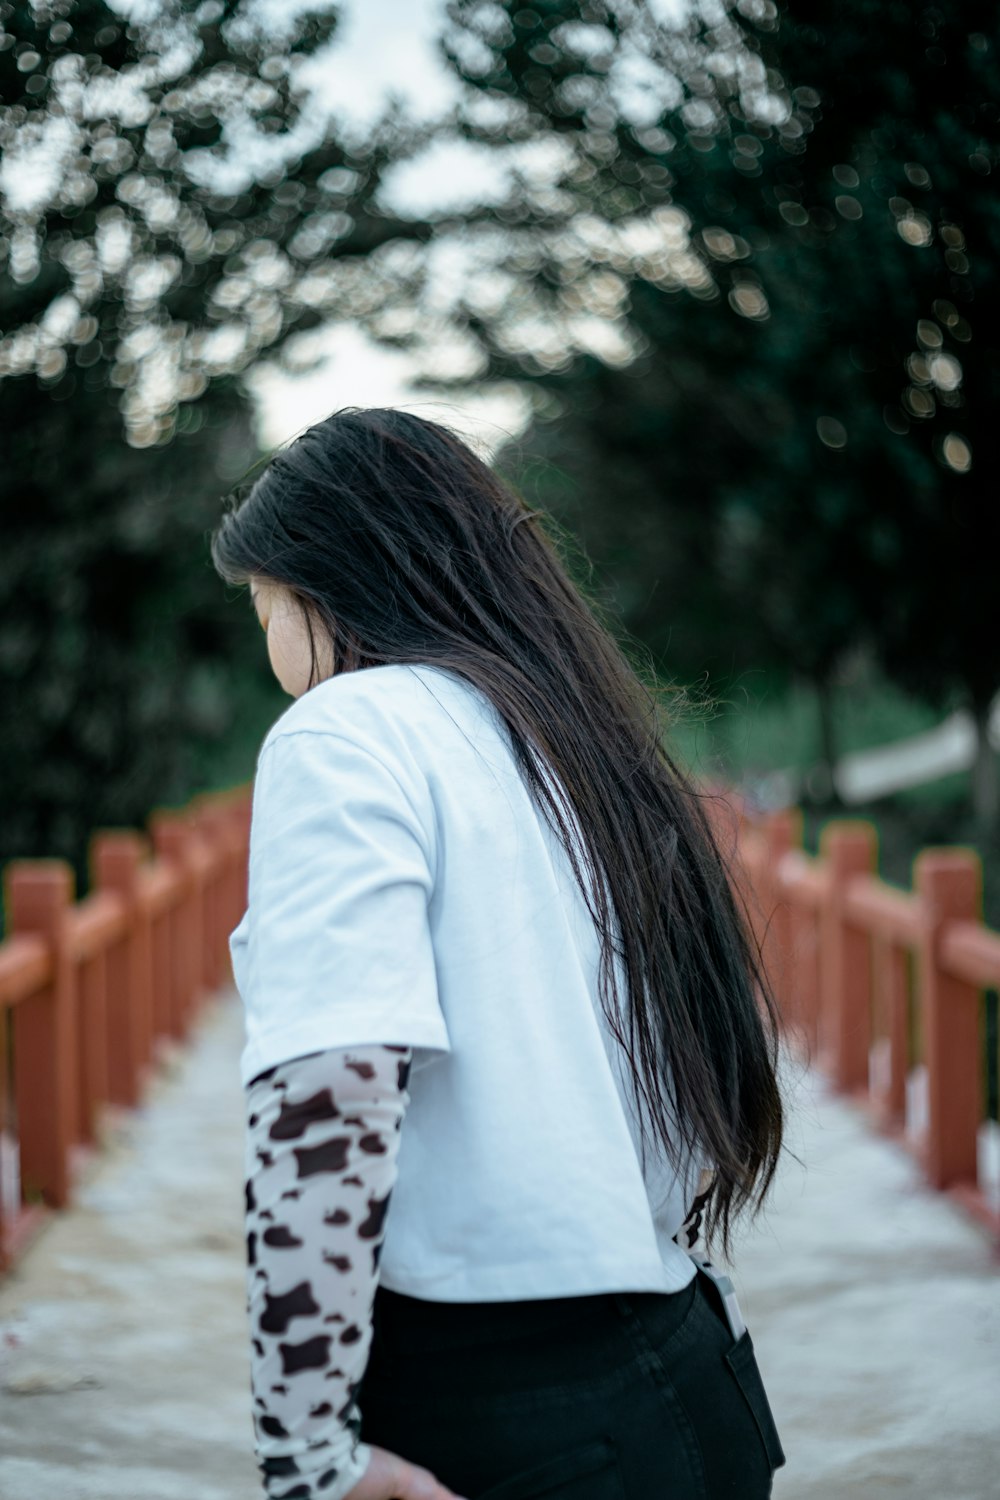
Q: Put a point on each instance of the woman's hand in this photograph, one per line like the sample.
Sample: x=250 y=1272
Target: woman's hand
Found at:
x=389 y=1477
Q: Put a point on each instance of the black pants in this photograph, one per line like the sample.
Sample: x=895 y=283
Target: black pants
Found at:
x=618 y=1396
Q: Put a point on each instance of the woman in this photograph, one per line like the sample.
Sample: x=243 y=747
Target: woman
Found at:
x=493 y=970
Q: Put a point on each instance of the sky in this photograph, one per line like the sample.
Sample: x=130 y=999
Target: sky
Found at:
x=381 y=49
x=385 y=46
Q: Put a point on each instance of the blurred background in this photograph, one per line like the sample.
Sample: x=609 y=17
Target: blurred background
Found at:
x=714 y=283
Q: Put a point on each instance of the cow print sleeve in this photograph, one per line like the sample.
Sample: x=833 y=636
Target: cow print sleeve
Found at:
x=322 y=1142
x=689 y=1232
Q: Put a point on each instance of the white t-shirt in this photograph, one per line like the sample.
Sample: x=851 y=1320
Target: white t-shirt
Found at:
x=404 y=887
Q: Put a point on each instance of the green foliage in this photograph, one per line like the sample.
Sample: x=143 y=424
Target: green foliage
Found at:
x=756 y=310
x=173 y=206
x=755 y=731
x=794 y=458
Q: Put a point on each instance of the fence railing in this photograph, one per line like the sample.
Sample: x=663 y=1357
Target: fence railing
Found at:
x=883 y=989
x=90 y=988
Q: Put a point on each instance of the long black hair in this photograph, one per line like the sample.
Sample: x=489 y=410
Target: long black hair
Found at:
x=402 y=545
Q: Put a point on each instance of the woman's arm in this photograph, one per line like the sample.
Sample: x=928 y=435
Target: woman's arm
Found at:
x=322 y=1143
x=687 y=1235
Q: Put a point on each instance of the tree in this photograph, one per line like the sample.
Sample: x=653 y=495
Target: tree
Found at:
x=906 y=139
x=819 y=183
x=172 y=206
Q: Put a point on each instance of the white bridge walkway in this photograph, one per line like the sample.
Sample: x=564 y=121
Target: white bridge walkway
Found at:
x=124 y=1368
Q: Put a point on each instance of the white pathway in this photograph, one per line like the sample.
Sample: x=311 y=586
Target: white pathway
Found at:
x=124 y=1371
x=124 y=1366
x=874 y=1305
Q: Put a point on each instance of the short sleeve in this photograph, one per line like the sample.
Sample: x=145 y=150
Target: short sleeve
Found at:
x=335 y=944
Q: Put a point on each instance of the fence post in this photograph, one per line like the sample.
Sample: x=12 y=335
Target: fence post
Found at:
x=211 y=824
x=783 y=832
x=92 y=979
x=39 y=897
x=172 y=840
x=117 y=857
x=242 y=816
x=806 y=975
x=949 y=883
x=850 y=847
x=890 y=1053
x=208 y=895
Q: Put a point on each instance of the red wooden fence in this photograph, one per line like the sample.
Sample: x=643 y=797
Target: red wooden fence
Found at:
x=88 y=989
x=882 y=988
